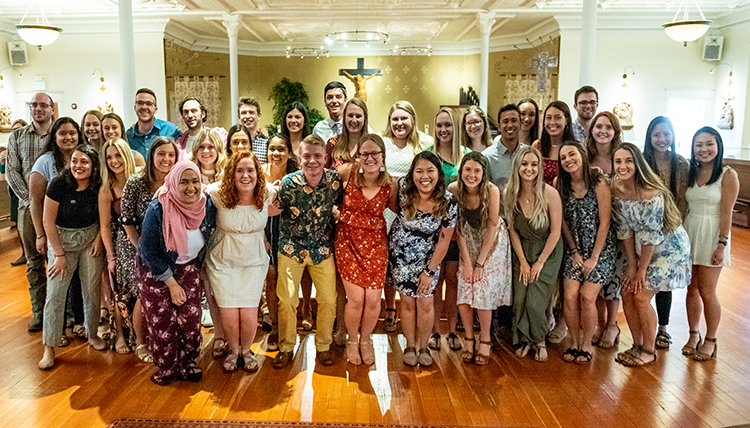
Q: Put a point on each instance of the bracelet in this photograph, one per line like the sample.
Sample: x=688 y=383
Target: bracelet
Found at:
x=574 y=250
x=111 y=258
x=429 y=272
x=59 y=255
x=41 y=236
x=724 y=243
x=724 y=236
x=477 y=264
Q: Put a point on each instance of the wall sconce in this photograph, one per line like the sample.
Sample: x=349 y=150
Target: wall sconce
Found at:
x=2 y=83
x=625 y=76
x=711 y=71
x=101 y=79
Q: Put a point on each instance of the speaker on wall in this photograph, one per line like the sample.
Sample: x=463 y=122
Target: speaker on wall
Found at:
x=17 y=53
x=712 y=48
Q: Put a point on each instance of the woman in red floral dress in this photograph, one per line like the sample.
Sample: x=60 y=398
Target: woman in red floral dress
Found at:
x=362 y=243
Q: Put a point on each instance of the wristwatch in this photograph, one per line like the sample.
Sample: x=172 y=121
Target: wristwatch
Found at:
x=429 y=272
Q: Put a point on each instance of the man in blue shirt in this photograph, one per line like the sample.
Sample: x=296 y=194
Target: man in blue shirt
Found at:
x=142 y=134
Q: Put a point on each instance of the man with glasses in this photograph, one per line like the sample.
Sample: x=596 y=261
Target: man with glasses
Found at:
x=586 y=102
x=142 y=134
x=25 y=145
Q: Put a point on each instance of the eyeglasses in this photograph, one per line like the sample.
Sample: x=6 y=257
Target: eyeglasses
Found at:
x=144 y=103
x=588 y=103
x=474 y=123
x=40 y=105
x=373 y=155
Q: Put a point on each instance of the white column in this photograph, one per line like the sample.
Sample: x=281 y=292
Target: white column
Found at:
x=588 y=42
x=486 y=21
x=127 y=61
x=232 y=24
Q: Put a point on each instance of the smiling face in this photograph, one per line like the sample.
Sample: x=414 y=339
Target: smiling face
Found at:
x=425 y=176
x=92 y=127
x=111 y=129
x=705 y=148
x=239 y=142
x=207 y=154
x=335 y=100
x=313 y=157
x=164 y=158
x=370 y=157
x=245 y=176
x=249 y=116
x=603 y=131
x=529 y=169
x=554 y=122
x=444 y=129
x=189 y=188
x=586 y=105
x=354 y=119
x=80 y=166
x=474 y=125
x=528 y=116
x=570 y=159
x=145 y=107
x=661 y=138
x=401 y=124
x=295 y=121
x=192 y=115
x=624 y=164
x=115 y=162
x=66 y=137
x=278 y=154
x=41 y=108
x=471 y=174
x=509 y=125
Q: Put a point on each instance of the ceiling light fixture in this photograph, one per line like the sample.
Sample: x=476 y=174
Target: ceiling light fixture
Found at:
x=412 y=50
x=39 y=34
x=301 y=52
x=686 y=30
x=356 y=36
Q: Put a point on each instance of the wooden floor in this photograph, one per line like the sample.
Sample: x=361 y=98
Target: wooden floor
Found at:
x=90 y=389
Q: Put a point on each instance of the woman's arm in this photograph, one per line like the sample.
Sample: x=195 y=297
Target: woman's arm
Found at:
x=105 y=219
x=50 y=215
x=37 y=193
x=604 y=202
x=554 y=209
x=488 y=240
x=730 y=187
x=393 y=204
x=425 y=282
x=463 y=249
x=140 y=162
x=151 y=248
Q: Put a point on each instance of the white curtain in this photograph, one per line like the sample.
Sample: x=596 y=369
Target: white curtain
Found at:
x=205 y=88
x=521 y=86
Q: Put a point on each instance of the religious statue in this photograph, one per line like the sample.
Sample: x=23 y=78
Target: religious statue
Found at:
x=726 y=120
x=359 y=84
x=5 y=117
x=624 y=112
x=359 y=77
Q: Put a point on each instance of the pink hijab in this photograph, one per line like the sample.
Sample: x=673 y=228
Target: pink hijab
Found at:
x=179 y=216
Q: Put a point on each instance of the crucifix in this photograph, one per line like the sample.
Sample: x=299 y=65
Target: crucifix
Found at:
x=359 y=77
x=542 y=65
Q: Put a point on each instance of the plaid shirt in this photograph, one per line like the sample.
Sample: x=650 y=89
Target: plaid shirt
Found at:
x=24 y=147
x=260 y=148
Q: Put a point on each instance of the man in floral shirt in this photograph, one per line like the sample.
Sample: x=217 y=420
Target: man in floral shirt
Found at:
x=308 y=200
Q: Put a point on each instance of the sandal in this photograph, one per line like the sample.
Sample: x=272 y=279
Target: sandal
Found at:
x=434 y=341
x=221 y=348
x=636 y=361
x=121 y=346
x=307 y=320
x=79 y=330
x=249 y=362
x=523 y=351
x=598 y=332
x=352 y=352
x=367 y=350
x=570 y=355
x=482 y=359
x=607 y=340
x=103 y=316
x=389 y=323
x=193 y=373
x=583 y=357
x=410 y=356
x=272 y=344
x=459 y=325
x=64 y=341
x=703 y=356
x=143 y=353
x=689 y=350
x=635 y=350
x=663 y=339
x=541 y=353
x=467 y=355
x=230 y=362
x=453 y=342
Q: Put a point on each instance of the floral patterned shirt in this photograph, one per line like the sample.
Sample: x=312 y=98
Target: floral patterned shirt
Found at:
x=306 y=224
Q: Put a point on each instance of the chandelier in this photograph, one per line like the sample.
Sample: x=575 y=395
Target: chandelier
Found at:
x=356 y=36
x=412 y=50
x=39 y=34
x=301 y=52
x=686 y=30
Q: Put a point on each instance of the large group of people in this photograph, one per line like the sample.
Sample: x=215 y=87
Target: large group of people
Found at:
x=543 y=230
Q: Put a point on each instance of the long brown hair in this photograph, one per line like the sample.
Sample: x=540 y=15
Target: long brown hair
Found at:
x=384 y=178
x=149 y=173
x=545 y=142
x=591 y=177
x=228 y=193
x=341 y=149
x=591 y=144
x=440 y=207
x=484 y=188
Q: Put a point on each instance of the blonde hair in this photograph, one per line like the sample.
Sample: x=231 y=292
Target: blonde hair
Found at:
x=414 y=140
x=539 y=216
x=108 y=177
x=221 y=157
x=646 y=178
x=384 y=178
x=457 y=152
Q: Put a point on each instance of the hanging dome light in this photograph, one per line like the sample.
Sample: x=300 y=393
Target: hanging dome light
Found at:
x=38 y=35
x=686 y=30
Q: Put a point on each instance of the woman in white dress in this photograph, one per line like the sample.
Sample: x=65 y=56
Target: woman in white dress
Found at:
x=237 y=259
x=711 y=194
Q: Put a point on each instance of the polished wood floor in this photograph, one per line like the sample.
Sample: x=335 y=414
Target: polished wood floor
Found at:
x=87 y=388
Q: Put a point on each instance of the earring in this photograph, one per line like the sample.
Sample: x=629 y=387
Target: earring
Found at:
x=361 y=171
x=382 y=168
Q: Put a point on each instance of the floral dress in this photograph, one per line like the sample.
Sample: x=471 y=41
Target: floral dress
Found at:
x=551 y=168
x=361 y=237
x=582 y=217
x=134 y=201
x=670 y=266
x=412 y=243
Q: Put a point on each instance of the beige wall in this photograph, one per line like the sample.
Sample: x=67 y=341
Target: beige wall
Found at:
x=427 y=82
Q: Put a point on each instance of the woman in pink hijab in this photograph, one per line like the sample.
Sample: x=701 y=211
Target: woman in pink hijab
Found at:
x=176 y=228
